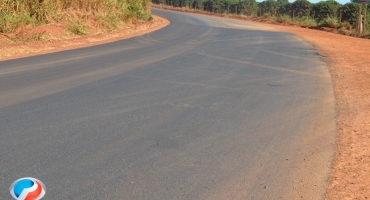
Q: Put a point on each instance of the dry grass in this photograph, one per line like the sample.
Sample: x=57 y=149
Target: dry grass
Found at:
x=109 y=14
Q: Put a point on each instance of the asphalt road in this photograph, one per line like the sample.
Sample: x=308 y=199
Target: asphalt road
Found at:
x=205 y=108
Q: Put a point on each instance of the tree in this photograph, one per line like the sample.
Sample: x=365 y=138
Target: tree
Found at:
x=229 y=3
x=301 y=8
x=325 y=9
x=213 y=5
x=285 y=9
x=350 y=13
x=248 y=7
x=198 y=4
x=269 y=6
x=282 y=2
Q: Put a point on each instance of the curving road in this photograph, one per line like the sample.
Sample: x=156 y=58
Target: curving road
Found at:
x=205 y=108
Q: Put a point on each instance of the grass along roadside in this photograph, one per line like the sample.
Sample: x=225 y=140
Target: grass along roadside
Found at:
x=19 y=19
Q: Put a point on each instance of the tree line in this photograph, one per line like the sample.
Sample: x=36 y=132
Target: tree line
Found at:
x=298 y=9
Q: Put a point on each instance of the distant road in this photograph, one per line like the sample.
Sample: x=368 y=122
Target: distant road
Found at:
x=205 y=108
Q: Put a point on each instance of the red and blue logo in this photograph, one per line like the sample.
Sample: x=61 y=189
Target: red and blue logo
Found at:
x=27 y=189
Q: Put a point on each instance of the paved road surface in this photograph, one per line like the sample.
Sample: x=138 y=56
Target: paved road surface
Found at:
x=205 y=108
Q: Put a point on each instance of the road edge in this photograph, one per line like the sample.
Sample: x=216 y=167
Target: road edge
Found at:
x=43 y=47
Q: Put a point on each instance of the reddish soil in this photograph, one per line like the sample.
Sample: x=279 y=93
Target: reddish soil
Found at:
x=54 y=37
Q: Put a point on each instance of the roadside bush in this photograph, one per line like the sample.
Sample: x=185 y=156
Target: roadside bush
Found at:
x=110 y=22
x=329 y=22
x=307 y=22
x=9 y=23
x=284 y=19
x=77 y=28
x=345 y=25
x=267 y=16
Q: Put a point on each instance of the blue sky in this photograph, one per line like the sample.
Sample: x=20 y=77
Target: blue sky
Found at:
x=315 y=1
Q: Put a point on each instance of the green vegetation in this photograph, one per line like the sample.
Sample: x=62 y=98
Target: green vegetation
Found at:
x=301 y=12
x=306 y=21
x=324 y=9
x=284 y=19
x=110 y=14
x=329 y=22
x=77 y=28
x=301 y=8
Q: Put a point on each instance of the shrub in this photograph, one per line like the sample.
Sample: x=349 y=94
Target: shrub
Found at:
x=284 y=19
x=77 y=28
x=307 y=22
x=345 y=25
x=329 y=22
x=110 y=22
x=267 y=15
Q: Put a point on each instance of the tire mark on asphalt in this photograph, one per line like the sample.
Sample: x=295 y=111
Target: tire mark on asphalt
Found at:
x=227 y=88
x=261 y=65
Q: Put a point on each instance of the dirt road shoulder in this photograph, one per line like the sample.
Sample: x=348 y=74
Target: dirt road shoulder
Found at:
x=349 y=64
x=57 y=42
